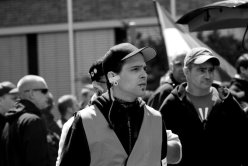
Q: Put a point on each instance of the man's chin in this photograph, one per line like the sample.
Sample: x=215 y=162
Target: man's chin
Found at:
x=142 y=93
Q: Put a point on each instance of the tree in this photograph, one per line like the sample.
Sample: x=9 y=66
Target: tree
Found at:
x=227 y=46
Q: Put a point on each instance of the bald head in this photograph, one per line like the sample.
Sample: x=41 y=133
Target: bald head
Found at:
x=34 y=88
x=178 y=58
x=177 y=67
x=30 y=82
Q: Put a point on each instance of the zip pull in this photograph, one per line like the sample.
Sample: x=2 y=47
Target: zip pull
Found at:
x=201 y=114
x=206 y=113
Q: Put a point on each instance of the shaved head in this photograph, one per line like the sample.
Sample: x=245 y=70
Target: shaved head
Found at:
x=29 y=82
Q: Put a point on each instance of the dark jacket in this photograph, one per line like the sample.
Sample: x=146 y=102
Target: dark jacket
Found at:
x=157 y=98
x=2 y=123
x=24 y=137
x=221 y=140
x=76 y=145
x=53 y=136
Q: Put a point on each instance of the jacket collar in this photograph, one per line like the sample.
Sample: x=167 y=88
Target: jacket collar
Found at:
x=180 y=91
x=21 y=107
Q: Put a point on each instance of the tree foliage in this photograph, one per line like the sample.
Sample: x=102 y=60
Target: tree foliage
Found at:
x=226 y=46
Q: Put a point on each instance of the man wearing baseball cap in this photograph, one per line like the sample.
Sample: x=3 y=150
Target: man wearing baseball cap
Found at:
x=206 y=117
x=119 y=128
x=7 y=100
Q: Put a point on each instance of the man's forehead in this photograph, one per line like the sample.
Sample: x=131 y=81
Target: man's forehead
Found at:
x=138 y=58
x=204 y=65
x=134 y=65
x=34 y=85
x=179 y=57
x=8 y=95
x=178 y=62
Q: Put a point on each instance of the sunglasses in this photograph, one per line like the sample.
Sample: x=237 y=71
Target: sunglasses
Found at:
x=44 y=90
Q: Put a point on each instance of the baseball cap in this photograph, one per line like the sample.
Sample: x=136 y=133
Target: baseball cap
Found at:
x=96 y=71
x=6 y=87
x=200 y=55
x=122 y=52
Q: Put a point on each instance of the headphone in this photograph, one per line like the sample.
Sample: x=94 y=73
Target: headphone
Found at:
x=114 y=80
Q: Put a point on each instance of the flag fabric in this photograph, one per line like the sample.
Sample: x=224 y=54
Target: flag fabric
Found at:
x=178 y=40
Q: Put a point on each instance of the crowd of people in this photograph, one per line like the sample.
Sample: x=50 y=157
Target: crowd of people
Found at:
x=188 y=120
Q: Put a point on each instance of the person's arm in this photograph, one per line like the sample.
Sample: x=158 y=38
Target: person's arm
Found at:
x=75 y=150
x=236 y=91
x=64 y=133
x=174 y=148
x=35 y=142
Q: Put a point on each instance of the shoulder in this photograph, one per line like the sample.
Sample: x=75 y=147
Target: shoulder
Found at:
x=66 y=127
x=88 y=112
x=222 y=91
x=165 y=86
x=152 y=111
x=28 y=118
x=162 y=90
x=68 y=123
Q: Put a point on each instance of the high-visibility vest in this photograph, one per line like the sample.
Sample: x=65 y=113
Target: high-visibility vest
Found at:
x=107 y=150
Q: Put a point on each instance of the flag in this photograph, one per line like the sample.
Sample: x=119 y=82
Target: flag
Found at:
x=178 y=40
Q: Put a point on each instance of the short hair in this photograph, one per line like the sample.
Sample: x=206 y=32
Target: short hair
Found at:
x=242 y=61
x=65 y=102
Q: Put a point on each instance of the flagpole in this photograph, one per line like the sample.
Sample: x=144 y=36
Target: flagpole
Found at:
x=71 y=44
x=173 y=8
x=161 y=33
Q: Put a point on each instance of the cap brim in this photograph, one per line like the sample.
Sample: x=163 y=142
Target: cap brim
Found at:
x=147 y=52
x=14 y=91
x=203 y=59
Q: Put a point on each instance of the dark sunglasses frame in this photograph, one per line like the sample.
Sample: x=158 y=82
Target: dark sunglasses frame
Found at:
x=42 y=90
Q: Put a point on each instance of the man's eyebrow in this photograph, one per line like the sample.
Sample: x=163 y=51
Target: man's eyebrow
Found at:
x=135 y=66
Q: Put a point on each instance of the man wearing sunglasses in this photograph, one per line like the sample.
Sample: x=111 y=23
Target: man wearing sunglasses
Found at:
x=24 y=140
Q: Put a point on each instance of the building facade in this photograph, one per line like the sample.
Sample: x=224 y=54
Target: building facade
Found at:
x=35 y=38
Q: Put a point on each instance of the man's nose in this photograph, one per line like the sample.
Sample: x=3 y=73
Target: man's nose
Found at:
x=143 y=74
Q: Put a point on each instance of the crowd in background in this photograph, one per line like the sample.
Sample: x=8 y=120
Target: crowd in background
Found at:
x=31 y=136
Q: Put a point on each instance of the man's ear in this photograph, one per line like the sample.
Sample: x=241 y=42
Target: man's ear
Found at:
x=114 y=80
x=242 y=69
x=69 y=110
x=30 y=94
x=186 y=71
x=113 y=77
x=1 y=99
x=171 y=63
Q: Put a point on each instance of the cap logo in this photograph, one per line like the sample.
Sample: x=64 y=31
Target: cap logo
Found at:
x=93 y=72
